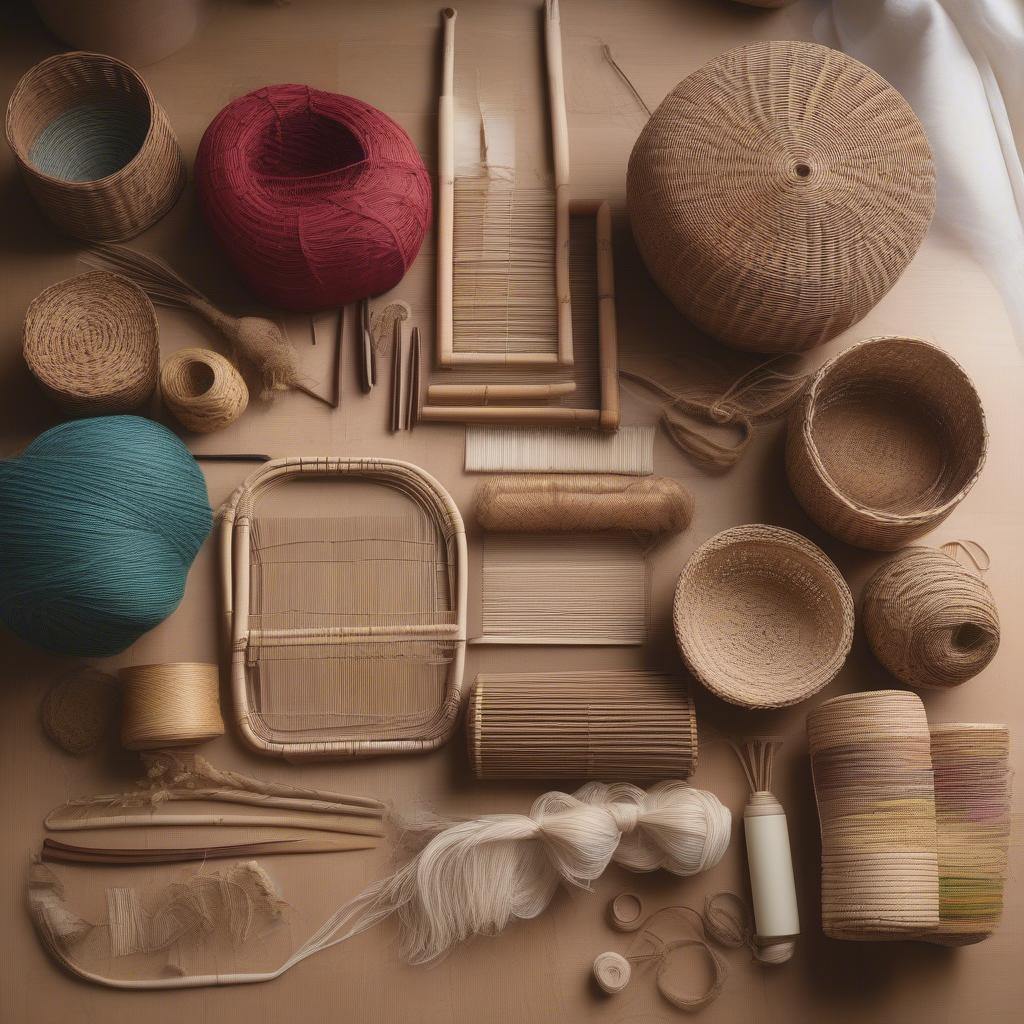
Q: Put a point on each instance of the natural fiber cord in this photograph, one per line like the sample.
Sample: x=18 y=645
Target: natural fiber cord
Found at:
x=778 y=193
x=202 y=389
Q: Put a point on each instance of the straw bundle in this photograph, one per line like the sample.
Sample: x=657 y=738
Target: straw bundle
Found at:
x=581 y=725
x=202 y=389
x=871 y=762
x=886 y=442
x=762 y=617
x=972 y=805
x=779 y=192
x=92 y=342
x=95 y=148
x=930 y=621
x=589 y=503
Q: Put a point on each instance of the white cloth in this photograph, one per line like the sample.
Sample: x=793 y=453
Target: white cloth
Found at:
x=960 y=63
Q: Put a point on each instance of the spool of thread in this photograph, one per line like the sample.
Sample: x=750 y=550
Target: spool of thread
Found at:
x=626 y=912
x=612 y=972
x=170 y=705
x=202 y=389
x=772 y=885
x=584 y=503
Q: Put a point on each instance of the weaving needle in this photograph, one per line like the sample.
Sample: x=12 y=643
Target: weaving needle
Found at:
x=398 y=397
x=366 y=358
x=412 y=399
x=338 y=343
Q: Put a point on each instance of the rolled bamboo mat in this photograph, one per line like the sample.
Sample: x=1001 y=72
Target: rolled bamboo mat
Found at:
x=971 y=763
x=872 y=769
x=581 y=725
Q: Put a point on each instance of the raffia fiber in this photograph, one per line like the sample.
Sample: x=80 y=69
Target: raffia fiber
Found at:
x=202 y=389
x=95 y=148
x=778 y=193
x=887 y=440
x=92 y=342
x=930 y=621
x=762 y=617
x=872 y=769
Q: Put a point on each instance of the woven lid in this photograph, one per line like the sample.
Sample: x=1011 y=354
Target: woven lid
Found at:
x=778 y=193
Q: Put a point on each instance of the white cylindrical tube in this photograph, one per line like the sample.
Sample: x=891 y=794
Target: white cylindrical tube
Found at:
x=771 y=868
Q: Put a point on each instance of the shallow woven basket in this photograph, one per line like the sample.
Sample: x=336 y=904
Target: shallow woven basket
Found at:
x=778 y=193
x=886 y=442
x=762 y=617
x=95 y=148
x=93 y=344
x=930 y=621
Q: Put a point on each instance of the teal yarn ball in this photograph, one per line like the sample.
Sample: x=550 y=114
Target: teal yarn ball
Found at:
x=100 y=521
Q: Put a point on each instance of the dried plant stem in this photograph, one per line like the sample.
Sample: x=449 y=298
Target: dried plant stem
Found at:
x=314 y=823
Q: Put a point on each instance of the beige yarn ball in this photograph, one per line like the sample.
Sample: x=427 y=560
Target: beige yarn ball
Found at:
x=778 y=193
x=202 y=389
x=930 y=621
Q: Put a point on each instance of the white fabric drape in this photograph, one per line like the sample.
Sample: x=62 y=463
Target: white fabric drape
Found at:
x=960 y=63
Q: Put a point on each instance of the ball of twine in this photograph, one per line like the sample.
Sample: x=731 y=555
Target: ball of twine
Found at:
x=202 y=389
x=169 y=705
x=317 y=199
x=92 y=342
x=930 y=621
x=80 y=710
x=612 y=972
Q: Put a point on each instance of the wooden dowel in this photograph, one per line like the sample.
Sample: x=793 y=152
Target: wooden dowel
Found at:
x=607 y=330
x=446 y=193
x=306 y=822
x=498 y=392
x=521 y=414
x=413 y=396
x=505 y=359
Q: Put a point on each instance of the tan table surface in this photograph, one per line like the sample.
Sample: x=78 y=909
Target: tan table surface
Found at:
x=536 y=971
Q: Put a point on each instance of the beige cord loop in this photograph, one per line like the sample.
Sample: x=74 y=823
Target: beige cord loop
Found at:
x=972 y=551
x=202 y=389
x=626 y=912
x=170 y=705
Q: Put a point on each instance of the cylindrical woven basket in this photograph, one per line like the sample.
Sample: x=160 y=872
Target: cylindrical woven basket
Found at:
x=930 y=621
x=581 y=725
x=886 y=442
x=93 y=344
x=95 y=148
x=762 y=617
x=971 y=764
x=872 y=769
x=778 y=193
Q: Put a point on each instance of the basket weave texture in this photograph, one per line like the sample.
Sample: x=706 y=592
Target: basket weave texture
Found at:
x=96 y=150
x=203 y=390
x=886 y=442
x=930 y=621
x=778 y=193
x=92 y=342
x=762 y=617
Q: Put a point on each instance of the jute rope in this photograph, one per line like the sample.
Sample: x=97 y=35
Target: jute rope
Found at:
x=95 y=148
x=887 y=440
x=762 y=617
x=170 y=705
x=80 y=710
x=202 y=389
x=930 y=621
x=92 y=342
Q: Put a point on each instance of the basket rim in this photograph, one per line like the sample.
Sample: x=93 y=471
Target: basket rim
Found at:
x=792 y=541
x=875 y=515
x=54 y=61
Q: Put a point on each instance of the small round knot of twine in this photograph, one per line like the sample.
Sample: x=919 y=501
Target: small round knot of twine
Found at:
x=612 y=972
x=625 y=816
x=203 y=390
x=170 y=705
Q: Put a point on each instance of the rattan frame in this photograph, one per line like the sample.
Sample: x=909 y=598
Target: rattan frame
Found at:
x=235 y=554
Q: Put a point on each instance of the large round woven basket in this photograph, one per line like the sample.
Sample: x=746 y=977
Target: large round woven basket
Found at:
x=930 y=621
x=95 y=148
x=886 y=442
x=762 y=617
x=92 y=342
x=778 y=193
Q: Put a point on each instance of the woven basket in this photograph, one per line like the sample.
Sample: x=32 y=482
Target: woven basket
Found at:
x=872 y=769
x=92 y=342
x=762 y=617
x=778 y=193
x=930 y=621
x=95 y=148
x=888 y=439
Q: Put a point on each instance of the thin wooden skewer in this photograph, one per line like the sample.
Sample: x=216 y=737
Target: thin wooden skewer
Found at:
x=308 y=822
x=366 y=355
x=398 y=397
x=338 y=345
x=412 y=409
x=498 y=392
x=446 y=193
x=68 y=853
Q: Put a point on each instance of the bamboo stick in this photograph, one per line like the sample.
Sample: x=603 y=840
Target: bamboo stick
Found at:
x=446 y=193
x=308 y=822
x=498 y=392
x=523 y=414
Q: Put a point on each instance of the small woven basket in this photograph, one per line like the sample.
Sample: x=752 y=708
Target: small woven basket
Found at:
x=762 y=617
x=95 y=148
x=92 y=342
x=930 y=621
x=886 y=442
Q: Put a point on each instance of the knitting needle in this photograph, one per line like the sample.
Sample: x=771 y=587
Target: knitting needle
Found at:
x=367 y=368
x=398 y=385
x=338 y=342
x=413 y=398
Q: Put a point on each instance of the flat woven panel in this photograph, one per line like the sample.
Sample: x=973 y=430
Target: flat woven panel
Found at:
x=630 y=450
x=547 y=589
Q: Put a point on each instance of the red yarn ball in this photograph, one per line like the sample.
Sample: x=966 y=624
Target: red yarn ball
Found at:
x=317 y=199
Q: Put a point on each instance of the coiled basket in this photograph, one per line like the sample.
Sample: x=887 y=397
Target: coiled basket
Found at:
x=886 y=442
x=95 y=148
